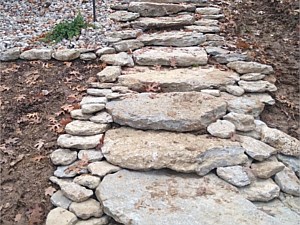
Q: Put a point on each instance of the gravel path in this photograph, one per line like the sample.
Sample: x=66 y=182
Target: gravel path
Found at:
x=23 y=21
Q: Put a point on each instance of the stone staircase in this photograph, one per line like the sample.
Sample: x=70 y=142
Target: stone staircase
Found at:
x=165 y=137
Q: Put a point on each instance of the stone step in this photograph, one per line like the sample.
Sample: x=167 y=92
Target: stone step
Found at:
x=180 y=80
x=173 y=38
x=161 y=197
x=151 y=9
x=176 y=111
x=183 y=57
x=203 y=29
x=146 y=23
x=195 y=2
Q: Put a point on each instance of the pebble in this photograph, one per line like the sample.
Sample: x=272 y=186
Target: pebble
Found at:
x=76 y=192
x=59 y=200
x=91 y=155
x=266 y=169
x=102 y=117
x=88 y=56
x=87 y=209
x=221 y=129
x=93 y=100
x=242 y=122
x=288 y=182
x=63 y=157
x=98 y=92
x=85 y=128
x=235 y=90
x=87 y=180
x=70 y=170
x=92 y=108
x=61 y=216
x=253 y=76
x=66 y=54
x=235 y=175
x=69 y=141
x=105 y=50
x=109 y=74
x=102 y=168
x=79 y=115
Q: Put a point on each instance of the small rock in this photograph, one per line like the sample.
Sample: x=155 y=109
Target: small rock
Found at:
x=59 y=200
x=94 y=221
x=256 y=149
x=105 y=50
x=91 y=155
x=220 y=157
x=214 y=37
x=63 y=157
x=69 y=141
x=250 y=67
x=123 y=16
x=242 y=122
x=114 y=96
x=208 y=11
x=121 y=89
x=102 y=168
x=245 y=105
x=127 y=45
x=123 y=35
x=85 y=128
x=232 y=57
x=98 y=92
x=102 y=117
x=257 y=86
x=120 y=59
x=235 y=90
x=93 y=100
x=87 y=180
x=109 y=74
x=102 y=85
x=60 y=216
x=235 y=175
x=66 y=54
x=291 y=162
x=213 y=17
x=87 y=209
x=288 y=182
x=285 y=143
x=206 y=22
x=10 y=54
x=79 y=115
x=203 y=29
x=70 y=170
x=266 y=169
x=92 y=108
x=261 y=190
x=76 y=192
x=215 y=93
x=221 y=129
x=37 y=54
x=88 y=56
x=215 y=50
x=252 y=76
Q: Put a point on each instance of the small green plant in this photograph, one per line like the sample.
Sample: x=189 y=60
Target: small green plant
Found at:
x=66 y=29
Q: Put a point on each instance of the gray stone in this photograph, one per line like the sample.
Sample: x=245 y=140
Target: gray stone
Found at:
x=206 y=22
x=98 y=92
x=250 y=67
x=159 y=149
x=203 y=29
x=173 y=38
x=235 y=175
x=102 y=117
x=214 y=37
x=242 y=122
x=114 y=96
x=215 y=93
x=120 y=59
x=37 y=54
x=128 y=45
x=92 y=108
x=291 y=202
x=256 y=133
x=285 y=143
x=59 y=181
x=121 y=89
x=221 y=129
x=215 y=50
x=212 y=17
x=291 y=162
x=59 y=200
x=105 y=50
x=87 y=180
x=123 y=16
x=93 y=100
x=257 y=86
x=176 y=111
x=88 y=56
x=208 y=10
x=66 y=54
x=76 y=192
x=266 y=169
x=94 y=221
x=162 y=22
x=220 y=157
x=149 y=9
x=124 y=34
x=235 y=90
x=141 y=198
x=245 y=105
x=288 y=182
x=179 y=80
x=232 y=57
x=85 y=128
x=69 y=141
x=10 y=54
x=60 y=216
x=109 y=74
x=260 y=190
x=102 y=85
x=87 y=209
x=70 y=170
x=188 y=56
x=79 y=115
x=194 y=2
x=91 y=155
x=102 y=168
x=253 y=76
x=263 y=97
x=256 y=149
x=63 y=157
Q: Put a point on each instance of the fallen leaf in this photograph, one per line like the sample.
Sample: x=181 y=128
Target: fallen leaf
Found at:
x=4 y=88
x=50 y=191
x=68 y=64
x=20 y=98
x=35 y=215
x=65 y=121
x=39 y=144
x=11 y=141
x=18 y=217
x=17 y=160
x=152 y=87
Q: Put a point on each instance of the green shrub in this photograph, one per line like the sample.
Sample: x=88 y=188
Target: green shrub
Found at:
x=66 y=29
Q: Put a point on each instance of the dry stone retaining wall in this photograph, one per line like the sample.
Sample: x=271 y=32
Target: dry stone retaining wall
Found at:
x=178 y=112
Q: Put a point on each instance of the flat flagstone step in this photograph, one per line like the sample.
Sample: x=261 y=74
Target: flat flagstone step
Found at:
x=173 y=38
x=180 y=80
x=152 y=9
x=176 y=111
x=161 y=197
x=145 y=23
x=181 y=152
x=183 y=57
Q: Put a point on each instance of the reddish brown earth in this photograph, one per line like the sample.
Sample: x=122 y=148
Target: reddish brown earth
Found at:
x=33 y=93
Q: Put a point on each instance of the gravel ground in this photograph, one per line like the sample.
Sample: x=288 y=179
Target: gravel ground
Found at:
x=23 y=21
